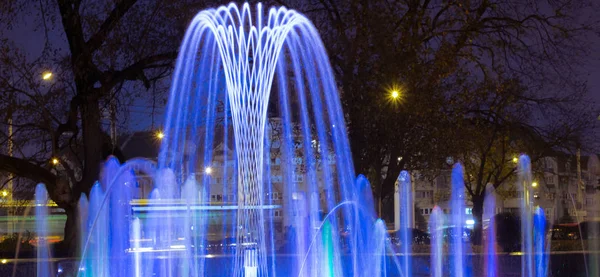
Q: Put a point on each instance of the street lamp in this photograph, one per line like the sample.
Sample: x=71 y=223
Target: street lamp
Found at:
x=160 y=135
x=208 y=170
x=395 y=93
x=47 y=76
x=4 y=193
x=515 y=160
x=534 y=184
x=55 y=161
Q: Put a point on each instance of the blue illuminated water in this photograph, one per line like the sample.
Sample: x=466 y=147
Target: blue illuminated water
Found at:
x=255 y=174
x=406 y=221
x=491 y=261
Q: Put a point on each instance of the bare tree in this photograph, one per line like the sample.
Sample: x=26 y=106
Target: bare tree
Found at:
x=429 y=50
x=98 y=51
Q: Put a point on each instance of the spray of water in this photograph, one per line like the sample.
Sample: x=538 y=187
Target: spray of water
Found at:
x=436 y=227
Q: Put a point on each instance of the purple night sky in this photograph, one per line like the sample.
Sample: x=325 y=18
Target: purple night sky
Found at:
x=30 y=39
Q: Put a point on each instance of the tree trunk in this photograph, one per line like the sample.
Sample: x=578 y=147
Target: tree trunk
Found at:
x=71 y=232
x=477 y=235
x=92 y=143
x=93 y=140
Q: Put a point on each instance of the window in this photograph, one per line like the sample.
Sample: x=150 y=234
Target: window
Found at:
x=589 y=201
x=297 y=178
x=424 y=194
x=468 y=210
x=297 y=160
x=277 y=179
x=426 y=211
x=550 y=180
x=277 y=213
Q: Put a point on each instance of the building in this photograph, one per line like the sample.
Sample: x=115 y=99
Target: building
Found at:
x=567 y=188
x=295 y=197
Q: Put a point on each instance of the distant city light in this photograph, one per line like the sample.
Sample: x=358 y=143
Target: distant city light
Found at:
x=208 y=170
x=160 y=135
x=395 y=94
x=47 y=75
x=4 y=261
x=55 y=161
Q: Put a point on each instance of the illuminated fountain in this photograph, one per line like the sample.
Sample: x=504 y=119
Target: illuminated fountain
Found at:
x=254 y=141
x=255 y=174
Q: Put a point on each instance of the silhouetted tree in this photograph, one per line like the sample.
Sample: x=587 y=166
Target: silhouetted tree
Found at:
x=100 y=53
x=444 y=56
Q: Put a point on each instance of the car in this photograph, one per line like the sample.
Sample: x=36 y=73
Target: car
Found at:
x=418 y=237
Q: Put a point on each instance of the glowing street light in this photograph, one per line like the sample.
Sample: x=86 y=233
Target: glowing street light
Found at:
x=55 y=161
x=534 y=184
x=395 y=94
x=160 y=135
x=47 y=76
x=208 y=170
x=4 y=193
x=515 y=160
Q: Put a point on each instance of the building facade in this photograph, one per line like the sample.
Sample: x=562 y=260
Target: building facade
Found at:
x=566 y=187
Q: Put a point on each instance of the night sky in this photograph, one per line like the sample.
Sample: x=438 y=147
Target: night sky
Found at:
x=30 y=39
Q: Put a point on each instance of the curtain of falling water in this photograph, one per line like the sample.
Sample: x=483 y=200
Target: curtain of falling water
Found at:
x=95 y=257
x=457 y=222
x=406 y=221
x=539 y=238
x=314 y=131
x=524 y=183
x=489 y=211
x=436 y=229
x=83 y=207
x=136 y=236
x=44 y=268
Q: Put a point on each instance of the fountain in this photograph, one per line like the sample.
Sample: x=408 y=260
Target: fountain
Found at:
x=254 y=144
x=252 y=96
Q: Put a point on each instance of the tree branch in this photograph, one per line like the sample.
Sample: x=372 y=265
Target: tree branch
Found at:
x=136 y=70
x=107 y=26
x=23 y=168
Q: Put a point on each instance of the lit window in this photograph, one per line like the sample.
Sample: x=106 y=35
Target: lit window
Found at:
x=297 y=178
